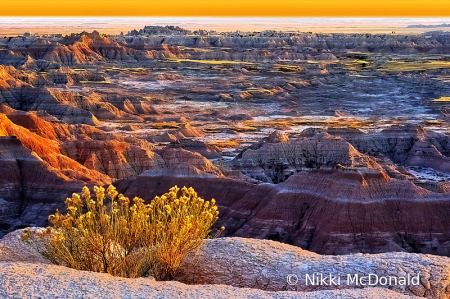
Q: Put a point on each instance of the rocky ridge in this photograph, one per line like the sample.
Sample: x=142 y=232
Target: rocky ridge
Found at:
x=265 y=265
x=334 y=211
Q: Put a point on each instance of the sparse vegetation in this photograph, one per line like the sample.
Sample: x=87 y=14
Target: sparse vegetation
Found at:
x=206 y=61
x=407 y=66
x=226 y=143
x=165 y=125
x=103 y=233
x=442 y=99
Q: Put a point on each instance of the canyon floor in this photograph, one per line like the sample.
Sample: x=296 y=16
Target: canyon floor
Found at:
x=336 y=143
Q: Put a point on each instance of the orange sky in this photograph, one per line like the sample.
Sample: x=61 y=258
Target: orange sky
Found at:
x=269 y=8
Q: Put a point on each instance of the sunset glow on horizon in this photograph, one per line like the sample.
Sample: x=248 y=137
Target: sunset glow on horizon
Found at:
x=116 y=25
x=223 y=8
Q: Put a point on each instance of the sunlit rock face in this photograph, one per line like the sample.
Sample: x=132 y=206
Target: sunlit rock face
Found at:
x=277 y=136
x=176 y=156
x=117 y=160
x=46 y=149
x=29 y=187
x=37 y=176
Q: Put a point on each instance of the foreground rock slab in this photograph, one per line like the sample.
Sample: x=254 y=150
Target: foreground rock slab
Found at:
x=24 y=280
x=263 y=264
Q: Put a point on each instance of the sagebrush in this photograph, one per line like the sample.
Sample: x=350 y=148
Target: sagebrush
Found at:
x=103 y=233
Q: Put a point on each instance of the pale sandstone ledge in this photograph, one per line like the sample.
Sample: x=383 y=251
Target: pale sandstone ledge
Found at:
x=226 y=268
x=264 y=264
x=25 y=280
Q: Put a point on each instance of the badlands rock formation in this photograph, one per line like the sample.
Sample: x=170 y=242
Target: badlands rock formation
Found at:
x=117 y=160
x=164 y=106
x=165 y=137
x=405 y=144
x=188 y=131
x=36 y=124
x=274 y=162
x=71 y=107
x=140 y=46
x=47 y=149
x=325 y=211
x=277 y=136
x=183 y=163
x=176 y=156
x=206 y=150
x=30 y=189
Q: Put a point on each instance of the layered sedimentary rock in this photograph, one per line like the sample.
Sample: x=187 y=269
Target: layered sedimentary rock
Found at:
x=9 y=77
x=277 y=136
x=78 y=50
x=165 y=137
x=181 y=170
x=423 y=153
x=274 y=162
x=118 y=160
x=175 y=156
x=182 y=163
x=86 y=49
x=179 y=136
x=95 y=104
x=206 y=150
x=407 y=144
x=48 y=149
x=30 y=189
x=66 y=75
x=36 y=124
x=188 y=131
x=363 y=195
x=326 y=211
x=28 y=98
x=67 y=106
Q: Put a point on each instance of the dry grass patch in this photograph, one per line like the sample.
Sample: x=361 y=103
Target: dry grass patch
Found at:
x=442 y=99
x=244 y=129
x=226 y=144
x=406 y=66
x=165 y=125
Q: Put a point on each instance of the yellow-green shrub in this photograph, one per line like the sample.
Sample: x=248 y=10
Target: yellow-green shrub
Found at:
x=124 y=240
